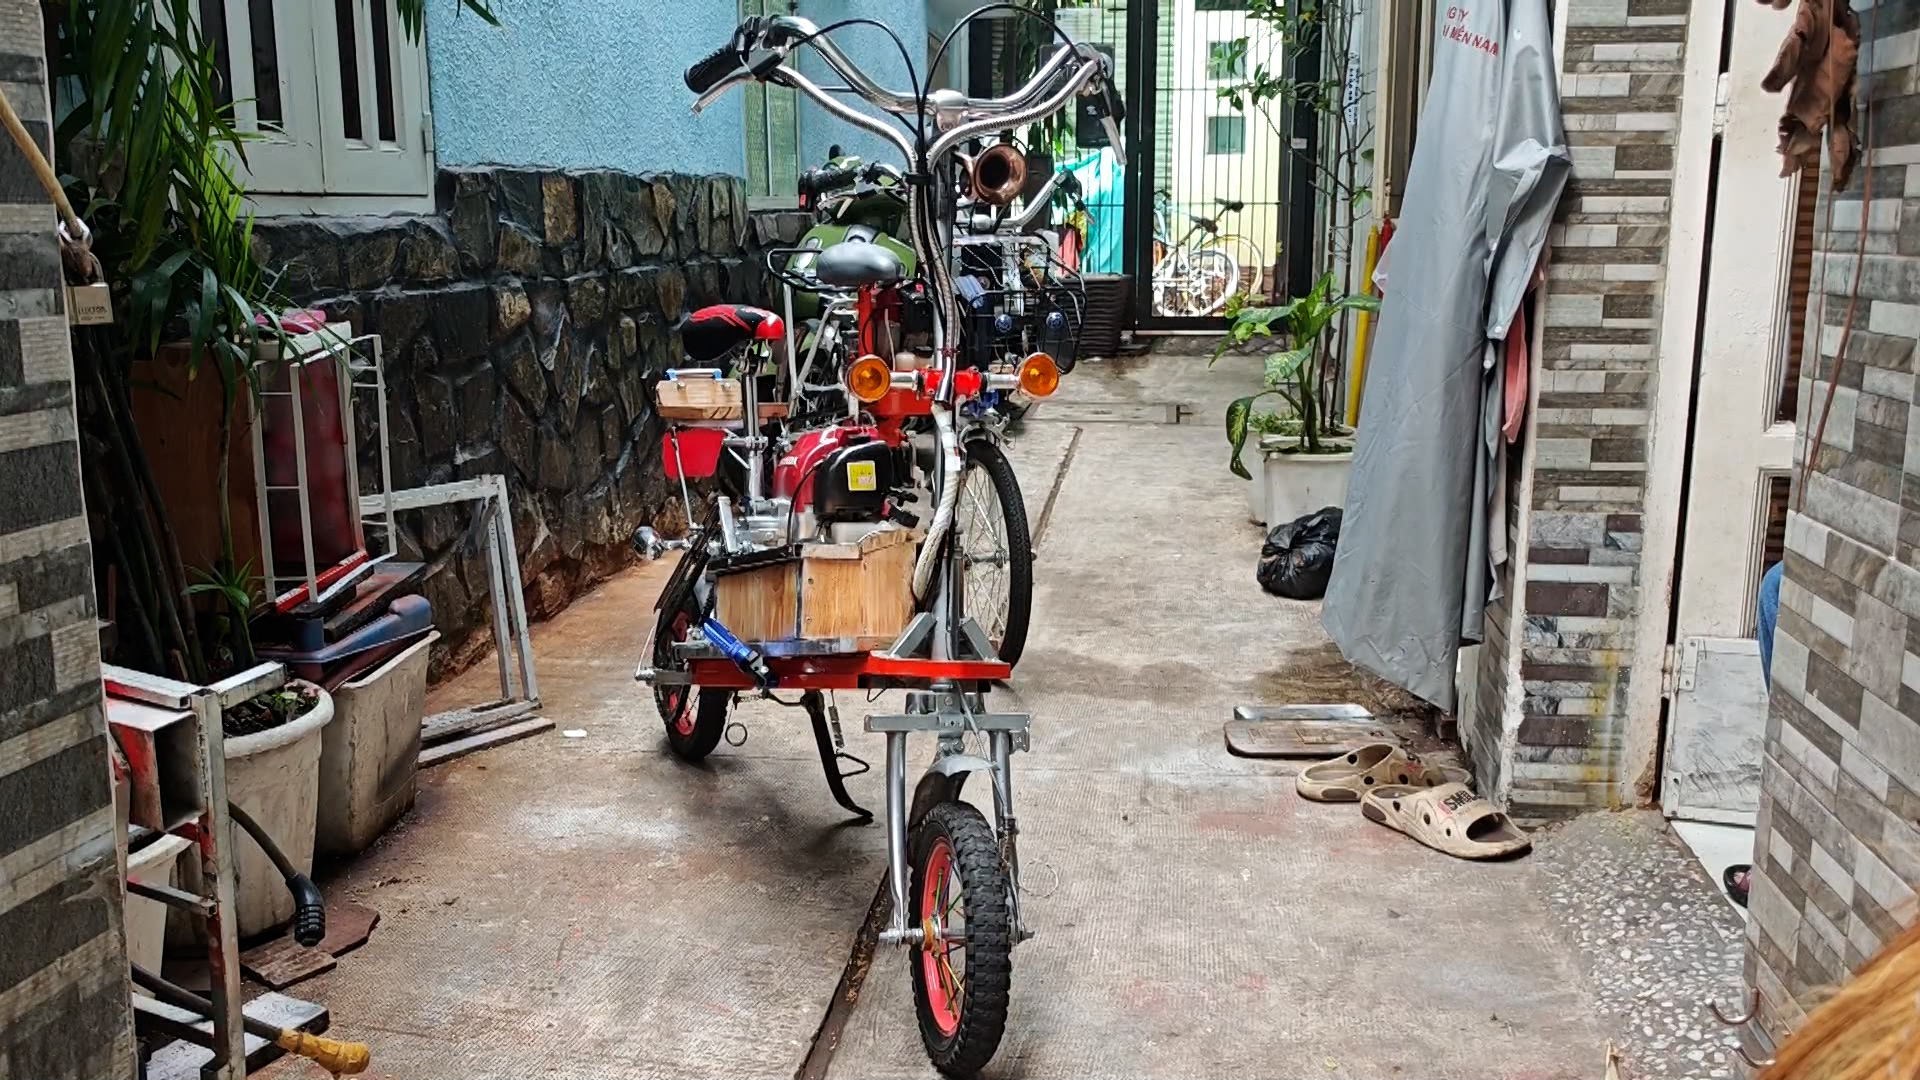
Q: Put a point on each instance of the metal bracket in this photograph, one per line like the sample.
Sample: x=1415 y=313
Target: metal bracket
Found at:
x=954 y=722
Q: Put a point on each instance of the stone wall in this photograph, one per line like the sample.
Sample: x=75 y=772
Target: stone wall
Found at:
x=521 y=327
x=1575 y=605
x=64 y=995
x=1837 y=850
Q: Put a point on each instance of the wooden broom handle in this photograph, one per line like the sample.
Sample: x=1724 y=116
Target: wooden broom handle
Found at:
x=40 y=168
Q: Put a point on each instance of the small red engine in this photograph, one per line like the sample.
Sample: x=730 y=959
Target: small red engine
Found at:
x=841 y=473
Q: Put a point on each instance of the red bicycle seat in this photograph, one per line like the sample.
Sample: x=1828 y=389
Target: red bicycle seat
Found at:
x=713 y=332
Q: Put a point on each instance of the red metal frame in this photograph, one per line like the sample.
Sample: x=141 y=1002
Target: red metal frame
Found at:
x=847 y=671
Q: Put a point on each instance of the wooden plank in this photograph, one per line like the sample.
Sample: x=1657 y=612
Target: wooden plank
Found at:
x=349 y=925
x=460 y=748
x=457 y=722
x=761 y=604
x=283 y=961
x=869 y=597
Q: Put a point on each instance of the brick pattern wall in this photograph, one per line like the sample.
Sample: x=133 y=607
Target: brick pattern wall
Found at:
x=1620 y=95
x=63 y=977
x=522 y=327
x=1837 y=849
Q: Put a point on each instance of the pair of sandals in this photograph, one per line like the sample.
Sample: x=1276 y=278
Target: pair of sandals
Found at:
x=1430 y=803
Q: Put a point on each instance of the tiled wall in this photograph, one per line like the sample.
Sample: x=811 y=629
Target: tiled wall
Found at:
x=63 y=975
x=1620 y=96
x=1837 y=852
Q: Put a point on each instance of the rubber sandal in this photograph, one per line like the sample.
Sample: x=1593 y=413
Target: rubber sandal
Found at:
x=1344 y=778
x=1449 y=818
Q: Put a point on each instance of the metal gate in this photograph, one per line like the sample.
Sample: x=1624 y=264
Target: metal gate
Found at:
x=1202 y=209
x=1212 y=180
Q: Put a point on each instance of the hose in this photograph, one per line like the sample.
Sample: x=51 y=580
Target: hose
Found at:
x=309 y=907
x=333 y=1055
x=950 y=466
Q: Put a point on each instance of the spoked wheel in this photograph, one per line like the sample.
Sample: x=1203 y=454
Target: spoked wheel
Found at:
x=1246 y=255
x=1212 y=277
x=963 y=969
x=996 y=550
x=695 y=718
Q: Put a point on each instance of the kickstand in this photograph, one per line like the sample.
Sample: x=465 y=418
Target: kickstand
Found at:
x=827 y=739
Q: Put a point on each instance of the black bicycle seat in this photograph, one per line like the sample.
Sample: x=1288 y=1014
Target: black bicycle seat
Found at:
x=1230 y=205
x=1207 y=223
x=851 y=264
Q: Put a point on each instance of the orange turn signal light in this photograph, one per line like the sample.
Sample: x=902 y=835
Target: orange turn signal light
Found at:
x=1039 y=375
x=869 y=379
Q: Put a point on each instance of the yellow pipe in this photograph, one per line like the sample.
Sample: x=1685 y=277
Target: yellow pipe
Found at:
x=1362 y=336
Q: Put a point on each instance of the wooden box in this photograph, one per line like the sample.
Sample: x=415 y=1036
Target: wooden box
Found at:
x=860 y=592
x=697 y=397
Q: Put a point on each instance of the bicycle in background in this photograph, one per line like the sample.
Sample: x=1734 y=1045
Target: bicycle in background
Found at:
x=1197 y=274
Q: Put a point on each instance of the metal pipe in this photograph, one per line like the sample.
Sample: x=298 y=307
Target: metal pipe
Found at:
x=1034 y=205
x=791 y=78
x=897 y=827
x=909 y=104
x=1009 y=828
x=949 y=497
x=946 y=143
x=299 y=418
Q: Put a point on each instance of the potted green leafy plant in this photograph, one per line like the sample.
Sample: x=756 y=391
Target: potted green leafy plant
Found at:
x=1305 y=453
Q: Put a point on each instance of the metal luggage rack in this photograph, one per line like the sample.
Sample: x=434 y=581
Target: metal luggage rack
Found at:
x=1002 y=319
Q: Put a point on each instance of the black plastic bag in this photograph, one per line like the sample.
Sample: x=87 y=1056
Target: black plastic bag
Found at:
x=1297 y=559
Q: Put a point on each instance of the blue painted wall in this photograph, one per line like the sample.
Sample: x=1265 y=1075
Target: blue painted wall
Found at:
x=597 y=83
x=581 y=84
x=876 y=54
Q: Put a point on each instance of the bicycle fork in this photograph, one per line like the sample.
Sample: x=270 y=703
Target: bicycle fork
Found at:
x=945 y=714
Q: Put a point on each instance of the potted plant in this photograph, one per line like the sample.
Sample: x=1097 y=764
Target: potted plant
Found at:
x=273 y=771
x=1305 y=454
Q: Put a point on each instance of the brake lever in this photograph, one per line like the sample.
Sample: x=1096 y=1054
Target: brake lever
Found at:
x=719 y=90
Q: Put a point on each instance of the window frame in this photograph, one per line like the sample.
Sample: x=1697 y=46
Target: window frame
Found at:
x=778 y=190
x=1241 y=141
x=307 y=164
x=1226 y=50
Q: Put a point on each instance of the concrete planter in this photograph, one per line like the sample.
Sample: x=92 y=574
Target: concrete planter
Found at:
x=1289 y=485
x=156 y=864
x=371 y=751
x=275 y=776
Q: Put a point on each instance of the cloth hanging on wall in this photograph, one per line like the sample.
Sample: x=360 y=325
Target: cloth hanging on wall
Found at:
x=1414 y=569
x=1820 y=59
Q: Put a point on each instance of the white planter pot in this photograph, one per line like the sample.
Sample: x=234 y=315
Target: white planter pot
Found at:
x=1286 y=486
x=371 y=752
x=275 y=776
x=156 y=864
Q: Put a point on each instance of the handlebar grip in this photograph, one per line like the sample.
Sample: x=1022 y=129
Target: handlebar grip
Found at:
x=709 y=71
x=824 y=178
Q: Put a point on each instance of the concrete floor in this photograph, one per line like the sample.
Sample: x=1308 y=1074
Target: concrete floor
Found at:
x=588 y=907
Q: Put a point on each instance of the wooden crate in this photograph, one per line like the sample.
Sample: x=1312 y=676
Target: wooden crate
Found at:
x=698 y=399
x=860 y=592
x=760 y=604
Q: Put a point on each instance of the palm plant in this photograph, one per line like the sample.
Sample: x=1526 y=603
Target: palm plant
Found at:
x=148 y=151
x=1294 y=375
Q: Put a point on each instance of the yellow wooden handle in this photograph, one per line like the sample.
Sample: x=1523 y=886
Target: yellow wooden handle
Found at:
x=330 y=1054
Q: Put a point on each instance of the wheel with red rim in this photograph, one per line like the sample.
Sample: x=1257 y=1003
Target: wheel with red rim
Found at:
x=963 y=967
x=695 y=718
